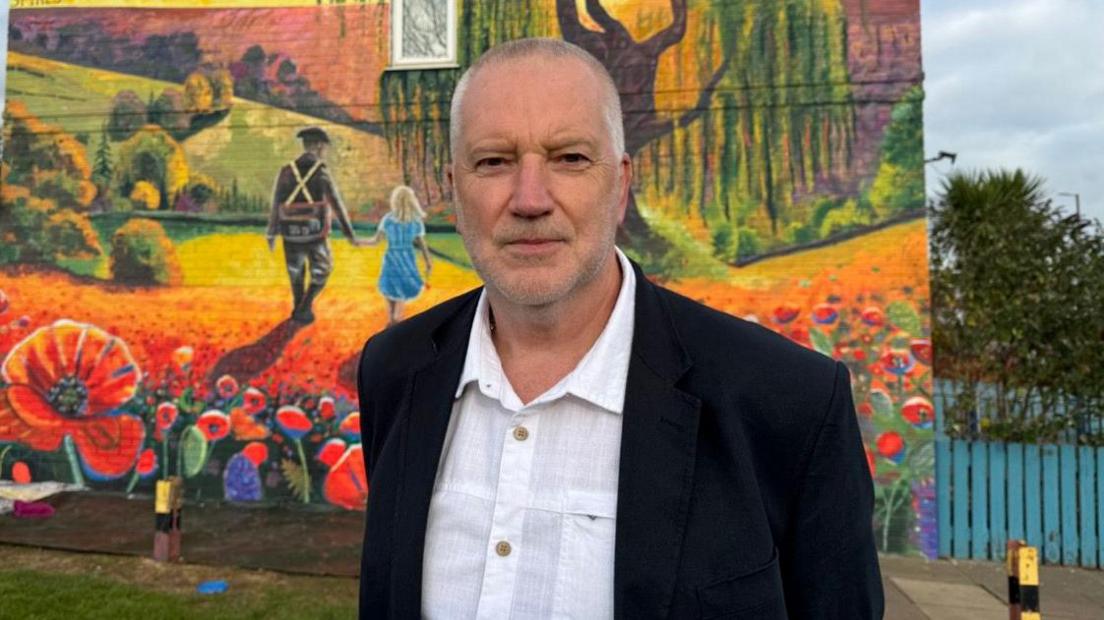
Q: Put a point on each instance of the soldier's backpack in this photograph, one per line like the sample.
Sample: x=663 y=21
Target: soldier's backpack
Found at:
x=304 y=220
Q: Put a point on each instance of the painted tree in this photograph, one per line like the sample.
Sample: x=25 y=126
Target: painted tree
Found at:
x=759 y=127
x=762 y=125
x=128 y=113
x=102 y=169
x=633 y=66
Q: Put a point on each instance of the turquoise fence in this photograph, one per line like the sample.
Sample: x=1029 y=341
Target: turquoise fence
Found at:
x=989 y=492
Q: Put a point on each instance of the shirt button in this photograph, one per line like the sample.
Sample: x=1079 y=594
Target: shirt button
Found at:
x=502 y=548
x=521 y=433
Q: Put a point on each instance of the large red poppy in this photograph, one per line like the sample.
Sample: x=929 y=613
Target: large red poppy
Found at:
x=69 y=379
x=346 y=484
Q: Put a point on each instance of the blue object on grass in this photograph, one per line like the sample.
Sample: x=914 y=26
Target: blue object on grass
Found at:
x=213 y=586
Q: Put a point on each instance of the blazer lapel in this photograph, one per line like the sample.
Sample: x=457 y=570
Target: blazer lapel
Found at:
x=658 y=444
x=427 y=417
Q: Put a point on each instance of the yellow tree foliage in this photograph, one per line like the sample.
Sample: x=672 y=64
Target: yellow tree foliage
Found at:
x=152 y=155
x=146 y=196
x=46 y=183
x=71 y=235
x=199 y=97
x=142 y=254
x=73 y=156
x=9 y=192
x=46 y=146
x=222 y=89
x=86 y=193
x=176 y=172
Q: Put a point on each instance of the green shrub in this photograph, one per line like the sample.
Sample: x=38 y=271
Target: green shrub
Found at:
x=142 y=254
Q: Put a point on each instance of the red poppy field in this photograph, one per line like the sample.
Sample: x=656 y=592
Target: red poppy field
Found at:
x=158 y=402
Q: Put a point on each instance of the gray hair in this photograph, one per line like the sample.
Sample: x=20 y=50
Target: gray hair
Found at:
x=534 y=47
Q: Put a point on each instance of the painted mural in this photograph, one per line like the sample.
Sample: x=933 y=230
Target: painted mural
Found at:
x=148 y=324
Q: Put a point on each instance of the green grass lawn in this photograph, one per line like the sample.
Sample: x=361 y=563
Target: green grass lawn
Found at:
x=54 y=584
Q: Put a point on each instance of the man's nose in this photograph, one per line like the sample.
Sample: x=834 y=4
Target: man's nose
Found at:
x=531 y=196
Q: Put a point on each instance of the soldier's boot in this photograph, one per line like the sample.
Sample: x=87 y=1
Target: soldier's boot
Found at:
x=298 y=284
x=303 y=313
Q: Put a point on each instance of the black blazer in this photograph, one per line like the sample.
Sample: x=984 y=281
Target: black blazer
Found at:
x=743 y=491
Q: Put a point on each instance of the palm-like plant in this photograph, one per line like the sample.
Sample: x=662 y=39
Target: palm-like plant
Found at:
x=1016 y=288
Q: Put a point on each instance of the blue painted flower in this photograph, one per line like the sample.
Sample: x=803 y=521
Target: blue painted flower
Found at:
x=241 y=481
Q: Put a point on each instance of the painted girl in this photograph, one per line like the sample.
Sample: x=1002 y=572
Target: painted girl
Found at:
x=399 y=280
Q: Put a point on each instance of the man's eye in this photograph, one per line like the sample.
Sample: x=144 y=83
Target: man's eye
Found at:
x=574 y=159
x=490 y=162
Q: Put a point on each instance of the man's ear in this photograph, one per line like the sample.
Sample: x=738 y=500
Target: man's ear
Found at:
x=626 y=168
x=448 y=179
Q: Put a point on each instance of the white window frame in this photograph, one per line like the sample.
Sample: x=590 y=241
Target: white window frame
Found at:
x=398 y=59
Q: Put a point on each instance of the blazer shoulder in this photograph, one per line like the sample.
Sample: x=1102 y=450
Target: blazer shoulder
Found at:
x=714 y=337
x=404 y=347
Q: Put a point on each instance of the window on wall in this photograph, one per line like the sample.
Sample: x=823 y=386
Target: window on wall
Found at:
x=423 y=33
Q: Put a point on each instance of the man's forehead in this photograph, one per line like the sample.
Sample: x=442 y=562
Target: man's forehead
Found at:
x=560 y=99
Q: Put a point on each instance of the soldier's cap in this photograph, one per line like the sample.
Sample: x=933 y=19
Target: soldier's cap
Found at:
x=313 y=134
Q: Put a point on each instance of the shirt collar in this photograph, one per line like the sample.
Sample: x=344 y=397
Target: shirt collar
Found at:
x=598 y=378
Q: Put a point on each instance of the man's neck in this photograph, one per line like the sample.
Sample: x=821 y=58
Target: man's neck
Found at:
x=540 y=346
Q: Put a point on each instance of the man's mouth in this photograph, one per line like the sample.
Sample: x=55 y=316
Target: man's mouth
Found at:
x=533 y=245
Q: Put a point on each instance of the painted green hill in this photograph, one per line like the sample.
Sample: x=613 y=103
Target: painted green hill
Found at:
x=249 y=144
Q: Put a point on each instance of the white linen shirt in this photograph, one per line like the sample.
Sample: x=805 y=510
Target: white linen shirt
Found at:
x=522 y=519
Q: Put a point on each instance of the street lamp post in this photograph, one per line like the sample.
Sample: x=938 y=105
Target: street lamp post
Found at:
x=942 y=155
x=1076 y=200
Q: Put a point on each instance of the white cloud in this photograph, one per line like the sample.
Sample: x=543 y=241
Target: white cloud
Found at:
x=1018 y=84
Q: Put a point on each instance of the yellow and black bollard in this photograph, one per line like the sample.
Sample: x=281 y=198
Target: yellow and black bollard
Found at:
x=167 y=505
x=1022 y=566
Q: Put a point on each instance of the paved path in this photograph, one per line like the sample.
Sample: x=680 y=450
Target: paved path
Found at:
x=918 y=589
x=327 y=541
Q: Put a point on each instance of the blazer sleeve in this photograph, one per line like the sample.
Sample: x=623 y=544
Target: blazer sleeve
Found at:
x=365 y=381
x=829 y=561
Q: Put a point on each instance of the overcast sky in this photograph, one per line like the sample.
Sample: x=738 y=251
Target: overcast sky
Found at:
x=1018 y=83
x=1013 y=83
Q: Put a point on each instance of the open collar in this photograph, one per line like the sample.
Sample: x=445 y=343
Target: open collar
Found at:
x=598 y=378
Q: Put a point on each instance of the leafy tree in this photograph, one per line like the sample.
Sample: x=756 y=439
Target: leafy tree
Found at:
x=142 y=254
x=45 y=188
x=222 y=89
x=199 y=97
x=152 y=155
x=102 y=169
x=1017 y=289
x=128 y=113
x=170 y=112
x=899 y=183
x=145 y=196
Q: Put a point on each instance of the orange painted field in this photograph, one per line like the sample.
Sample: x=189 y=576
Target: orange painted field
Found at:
x=215 y=319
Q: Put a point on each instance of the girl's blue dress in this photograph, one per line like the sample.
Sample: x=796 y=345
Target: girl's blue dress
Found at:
x=399 y=279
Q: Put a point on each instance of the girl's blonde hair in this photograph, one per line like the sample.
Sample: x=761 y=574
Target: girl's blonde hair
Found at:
x=405 y=205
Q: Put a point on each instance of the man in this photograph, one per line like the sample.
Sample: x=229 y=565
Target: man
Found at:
x=303 y=203
x=574 y=441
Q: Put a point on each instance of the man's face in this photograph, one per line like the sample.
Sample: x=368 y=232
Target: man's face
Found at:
x=539 y=189
x=319 y=149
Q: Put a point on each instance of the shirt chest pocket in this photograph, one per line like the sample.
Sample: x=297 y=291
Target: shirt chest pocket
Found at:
x=589 y=524
x=585 y=572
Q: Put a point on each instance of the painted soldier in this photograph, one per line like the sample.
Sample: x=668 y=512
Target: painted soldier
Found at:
x=304 y=202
